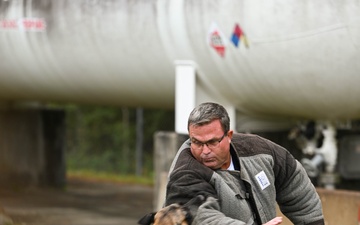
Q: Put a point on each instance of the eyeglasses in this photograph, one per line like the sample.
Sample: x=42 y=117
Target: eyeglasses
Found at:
x=212 y=144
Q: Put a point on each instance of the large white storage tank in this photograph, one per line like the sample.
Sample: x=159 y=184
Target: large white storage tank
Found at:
x=302 y=59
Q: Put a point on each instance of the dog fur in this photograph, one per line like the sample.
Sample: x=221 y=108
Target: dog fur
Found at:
x=174 y=214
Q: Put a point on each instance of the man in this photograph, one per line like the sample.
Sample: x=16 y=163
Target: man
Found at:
x=241 y=177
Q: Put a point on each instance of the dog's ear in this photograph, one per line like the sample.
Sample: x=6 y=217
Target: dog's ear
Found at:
x=197 y=201
x=192 y=206
x=148 y=219
x=188 y=217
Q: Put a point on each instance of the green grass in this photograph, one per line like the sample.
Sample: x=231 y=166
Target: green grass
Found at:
x=110 y=177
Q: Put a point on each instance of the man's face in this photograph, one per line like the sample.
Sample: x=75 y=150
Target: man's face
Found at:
x=216 y=153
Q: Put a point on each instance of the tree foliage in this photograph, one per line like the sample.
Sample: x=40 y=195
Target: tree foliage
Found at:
x=104 y=138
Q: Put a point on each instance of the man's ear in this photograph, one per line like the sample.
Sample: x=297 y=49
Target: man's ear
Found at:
x=147 y=219
x=230 y=134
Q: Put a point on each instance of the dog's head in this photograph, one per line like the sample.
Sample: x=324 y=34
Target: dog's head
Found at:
x=174 y=214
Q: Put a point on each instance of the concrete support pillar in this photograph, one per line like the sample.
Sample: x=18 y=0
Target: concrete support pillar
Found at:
x=166 y=144
x=54 y=147
x=21 y=148
x=31 y=148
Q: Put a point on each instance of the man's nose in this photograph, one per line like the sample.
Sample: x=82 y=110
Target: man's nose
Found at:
x=206 y=150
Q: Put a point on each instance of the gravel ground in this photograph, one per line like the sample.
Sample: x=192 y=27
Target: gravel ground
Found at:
x=83 y=202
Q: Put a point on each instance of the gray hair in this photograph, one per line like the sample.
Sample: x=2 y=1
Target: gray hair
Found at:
x=208 y=112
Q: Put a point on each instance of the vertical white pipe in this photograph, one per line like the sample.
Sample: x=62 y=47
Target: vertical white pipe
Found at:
x=185 y=93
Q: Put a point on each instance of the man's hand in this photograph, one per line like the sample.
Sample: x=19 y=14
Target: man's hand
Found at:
x=275 y=221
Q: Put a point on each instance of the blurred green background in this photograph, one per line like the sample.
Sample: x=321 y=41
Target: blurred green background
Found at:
x=101 y=141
